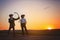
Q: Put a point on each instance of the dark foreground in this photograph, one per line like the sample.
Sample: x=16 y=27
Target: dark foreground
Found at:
x=32 y=35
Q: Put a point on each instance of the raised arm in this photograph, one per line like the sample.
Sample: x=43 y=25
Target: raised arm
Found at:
x=18 y=16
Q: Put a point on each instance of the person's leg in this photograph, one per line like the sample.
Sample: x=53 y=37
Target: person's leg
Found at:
x=25 y=28
x=9 y=30
x=22 y=28
x=13 y=31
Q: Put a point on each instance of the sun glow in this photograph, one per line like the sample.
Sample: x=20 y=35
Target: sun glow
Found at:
x=49 y=28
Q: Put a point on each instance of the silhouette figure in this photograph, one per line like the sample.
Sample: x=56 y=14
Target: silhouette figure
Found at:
x=11 y=21
x=23 y=24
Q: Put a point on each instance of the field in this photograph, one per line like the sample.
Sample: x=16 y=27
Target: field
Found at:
x=32 y=35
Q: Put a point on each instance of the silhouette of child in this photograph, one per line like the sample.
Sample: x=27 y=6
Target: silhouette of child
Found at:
x=23 y=23
x=11 y=21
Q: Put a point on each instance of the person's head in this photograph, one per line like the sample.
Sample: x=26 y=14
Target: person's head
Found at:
x=22 y=16
x=10 y=15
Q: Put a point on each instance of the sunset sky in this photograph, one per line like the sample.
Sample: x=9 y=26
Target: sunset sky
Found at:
x=40 y=14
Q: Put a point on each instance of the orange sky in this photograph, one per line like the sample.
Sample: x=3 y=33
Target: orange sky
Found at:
x=40 y=15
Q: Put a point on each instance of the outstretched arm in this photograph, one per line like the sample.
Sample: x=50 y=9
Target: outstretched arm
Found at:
x=18 y=16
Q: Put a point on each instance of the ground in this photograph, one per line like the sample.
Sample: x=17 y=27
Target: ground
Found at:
x=32 y=35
